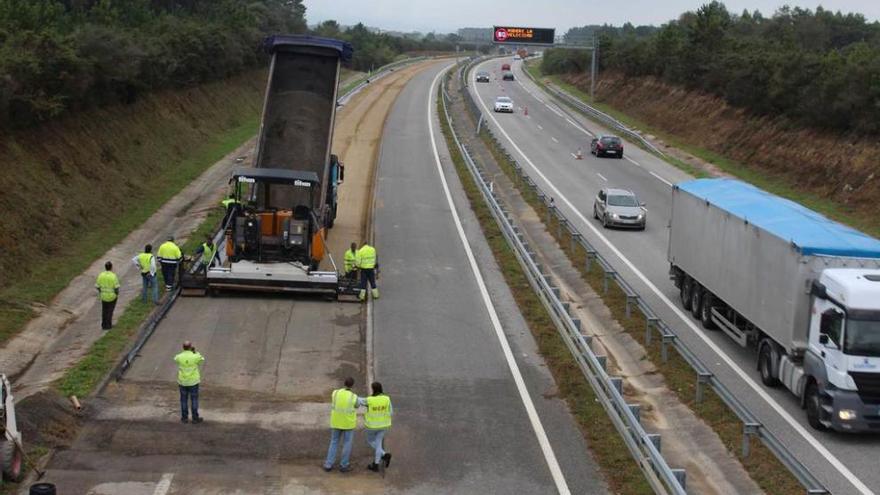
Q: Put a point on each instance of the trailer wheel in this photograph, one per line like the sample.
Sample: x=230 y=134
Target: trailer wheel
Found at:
x=696 y=299
x=11 y=458
x=765 y=366
x=814 y=407
x=685 y=292
x=706 y=311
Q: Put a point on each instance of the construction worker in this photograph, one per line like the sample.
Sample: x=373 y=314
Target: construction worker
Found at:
x=188 y=378
x=350 y=261
x=366 y=263
x=146 y=263
x=170 y=256
x=377 y=420
x=230 y=204
x=108 y=290
x=343 y=421
x=208 y=250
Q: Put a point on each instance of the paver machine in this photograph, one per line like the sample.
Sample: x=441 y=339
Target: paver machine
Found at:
x=275 y=234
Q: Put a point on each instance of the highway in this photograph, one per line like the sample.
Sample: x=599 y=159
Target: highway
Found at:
x=544 y=142
x=442 y=331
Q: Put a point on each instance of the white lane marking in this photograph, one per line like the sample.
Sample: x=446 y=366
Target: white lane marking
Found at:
x=534 y=419
x=164 y=484
x=601 y=176
x=637 y=164
x=795 y=425
x=573 y=155
x=661 y=179
x=540 y=127
x=576 y=126
x=554 y=139
x=557 y=112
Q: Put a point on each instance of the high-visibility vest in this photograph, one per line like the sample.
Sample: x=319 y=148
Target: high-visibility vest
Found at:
x=208 y=252
x=144 y=261
x=229 y=201
x=378 y=416
x=107 y=284
x=188 y=368
x=169 y=252
x=350 y=260
x=343 y=415
x=366 y=257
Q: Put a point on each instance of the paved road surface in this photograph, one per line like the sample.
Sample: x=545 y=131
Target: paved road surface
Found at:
x=547 y=137
x=461 y=426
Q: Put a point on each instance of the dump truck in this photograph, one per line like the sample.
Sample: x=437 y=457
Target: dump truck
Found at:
x=275 y=230
x=801 y=290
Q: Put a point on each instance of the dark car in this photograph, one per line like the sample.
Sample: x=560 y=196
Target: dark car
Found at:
x=508 y=76
x=607 y=146
x=619 y=208
x=482 y=77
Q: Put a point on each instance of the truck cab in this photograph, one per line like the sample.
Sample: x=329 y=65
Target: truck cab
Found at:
x=843 y=357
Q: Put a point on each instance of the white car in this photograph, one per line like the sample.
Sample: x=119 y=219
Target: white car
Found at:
x=503 y=104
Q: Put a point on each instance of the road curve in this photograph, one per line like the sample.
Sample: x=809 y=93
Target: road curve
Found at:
x=545 y=142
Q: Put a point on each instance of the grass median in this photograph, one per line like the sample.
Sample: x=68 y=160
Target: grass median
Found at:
x=618 y=467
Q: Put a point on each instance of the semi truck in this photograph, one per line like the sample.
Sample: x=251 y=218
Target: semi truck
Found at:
x=276 y=227
x=801 y=290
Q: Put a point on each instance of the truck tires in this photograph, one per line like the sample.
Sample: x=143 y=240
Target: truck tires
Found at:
x=696 y=299
x=685 y=291
x=813 y=403
x=11 y=461
x=765 y=366
x=706 y=311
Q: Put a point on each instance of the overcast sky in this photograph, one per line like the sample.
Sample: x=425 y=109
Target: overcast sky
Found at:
x=448 y=15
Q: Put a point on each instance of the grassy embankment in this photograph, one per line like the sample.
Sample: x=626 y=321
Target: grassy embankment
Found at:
x=834 y=175
x=680 y=378
x=80 y=185
x=621 y=472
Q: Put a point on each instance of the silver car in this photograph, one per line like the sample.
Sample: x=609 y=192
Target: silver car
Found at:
x=619 y=208
x=503 y=104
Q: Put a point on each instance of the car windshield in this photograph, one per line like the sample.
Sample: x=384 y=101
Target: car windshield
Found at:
x=482 y=74
x=503 y=99
x=862 y=338
x=622 y=201
x=610 y=140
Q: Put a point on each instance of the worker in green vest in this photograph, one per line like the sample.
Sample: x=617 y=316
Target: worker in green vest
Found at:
x=343 y=421
x=108 y=291
x=208 y=250
x=350 y=261
x=367 y=264
x=377 y=420
x=188 y=378
x=169 y=256
x=146 y=263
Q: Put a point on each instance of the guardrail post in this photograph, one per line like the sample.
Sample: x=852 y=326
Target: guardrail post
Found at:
x=749 y=429
x=655 y=439
x=590 y=256
x=681 y=476
x=703 y=379
x=608 y=274
x=574 y=239
x=649 y=321
x=630 y=299
x=559 y=226
x=550 y=209
x=664 y=352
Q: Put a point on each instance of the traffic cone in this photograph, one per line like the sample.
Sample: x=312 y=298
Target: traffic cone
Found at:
x=580 y=154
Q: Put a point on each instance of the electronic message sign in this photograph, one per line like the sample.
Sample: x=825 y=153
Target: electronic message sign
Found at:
x=529 y=35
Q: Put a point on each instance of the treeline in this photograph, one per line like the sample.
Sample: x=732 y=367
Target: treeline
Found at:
x=818 y=68
x=58 y=56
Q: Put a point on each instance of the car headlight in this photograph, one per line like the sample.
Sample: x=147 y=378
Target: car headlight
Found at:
x=846 y=414
x=641 y=216
x=615 y=215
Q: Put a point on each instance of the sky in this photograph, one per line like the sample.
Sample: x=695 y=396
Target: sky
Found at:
x=443 y=16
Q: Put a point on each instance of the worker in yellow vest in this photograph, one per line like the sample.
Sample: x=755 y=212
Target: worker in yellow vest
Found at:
x=170 y=257
x=377 y=420
x=146 y=263
x=108 y=291
x=367 y=264
x=350 y=261
x=188 y=379
x=208 y=250
x=343 y=421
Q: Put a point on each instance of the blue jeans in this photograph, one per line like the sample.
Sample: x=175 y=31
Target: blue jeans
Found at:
x=191 y=395
x=347 y=437
x=148 y=281
x=374 y=438
x=169 y=270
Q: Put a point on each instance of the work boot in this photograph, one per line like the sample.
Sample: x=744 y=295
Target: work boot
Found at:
x=386 y=458
x=362 y=295
x=184 y=420
x=375 y=293
x=373 y=467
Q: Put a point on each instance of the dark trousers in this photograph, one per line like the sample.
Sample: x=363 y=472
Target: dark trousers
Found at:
x=107 y=308
x=168 y=272
x=191 y=395
x=368 y=275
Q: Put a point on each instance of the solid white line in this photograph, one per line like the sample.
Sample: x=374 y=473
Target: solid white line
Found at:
x=576 y=126
x=601 y=176
x=534 y=419
x=554 y=139
x=164 y=484
x=633 y=161
x=557 y=112
x=661 y=179
x=573 y=155
x=807 y=436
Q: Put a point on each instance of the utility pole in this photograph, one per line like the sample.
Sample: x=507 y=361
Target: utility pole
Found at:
x=594 y=68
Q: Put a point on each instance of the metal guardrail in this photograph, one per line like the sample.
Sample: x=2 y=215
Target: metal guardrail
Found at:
x=644 y=447
x=596 y=114
x=373 y=76
x=653 y=323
